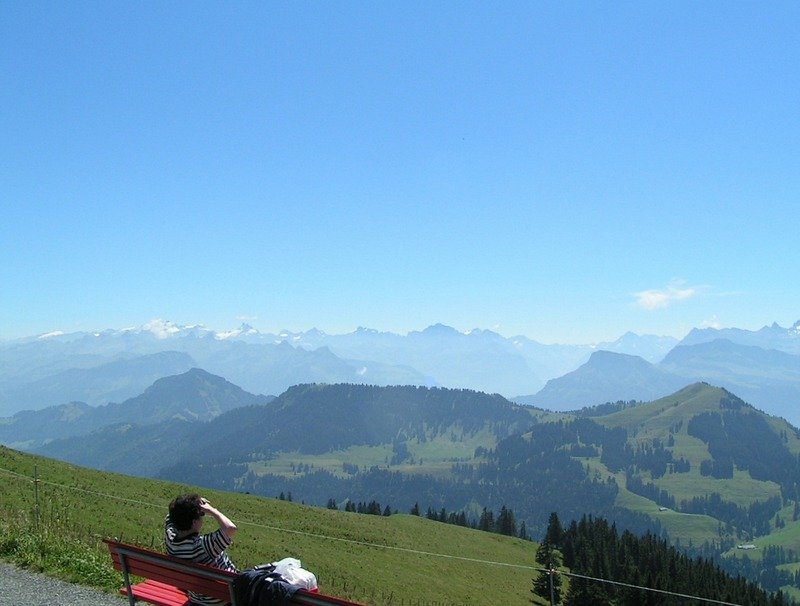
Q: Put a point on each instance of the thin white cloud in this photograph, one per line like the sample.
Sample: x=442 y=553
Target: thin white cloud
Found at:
x=659 y=299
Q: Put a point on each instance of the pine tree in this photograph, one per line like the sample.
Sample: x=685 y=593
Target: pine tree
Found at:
x=506 y=523
x=548 y=583
x=486 y=523
x=582 y=592
x=554 y=532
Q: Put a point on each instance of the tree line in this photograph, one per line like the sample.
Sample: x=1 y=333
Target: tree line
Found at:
x=592 y=547
x=504 y=522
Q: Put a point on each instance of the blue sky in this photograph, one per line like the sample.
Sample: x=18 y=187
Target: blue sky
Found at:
x=567 y=171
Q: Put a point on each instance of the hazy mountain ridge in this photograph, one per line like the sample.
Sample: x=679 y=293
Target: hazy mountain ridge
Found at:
x=115 y=380
x=606 y=377
x=192 y=396
x=36 y=371
x=766 y=378
x=722 y=358
x=767 y=337
x=57 y=368
x=478 y=359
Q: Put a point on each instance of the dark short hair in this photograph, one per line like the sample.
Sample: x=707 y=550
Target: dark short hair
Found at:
x=184 y=510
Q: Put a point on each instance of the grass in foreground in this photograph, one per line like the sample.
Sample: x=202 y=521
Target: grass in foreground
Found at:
x=400 y=559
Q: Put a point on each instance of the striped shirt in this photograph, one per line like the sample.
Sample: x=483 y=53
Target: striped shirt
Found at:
x=208 y=549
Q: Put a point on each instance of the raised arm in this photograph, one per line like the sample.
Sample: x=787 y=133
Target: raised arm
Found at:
x=225 y=524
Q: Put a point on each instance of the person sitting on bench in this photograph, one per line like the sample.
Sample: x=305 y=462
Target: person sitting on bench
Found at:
x=183 y=538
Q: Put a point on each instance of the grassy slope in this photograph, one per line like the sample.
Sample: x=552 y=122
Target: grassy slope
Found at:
x=372 y=559
x=656 y=420
x=433 y=457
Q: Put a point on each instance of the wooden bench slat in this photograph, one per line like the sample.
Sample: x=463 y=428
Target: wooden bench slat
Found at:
x=156 y=587
x=157 y=593
x=180 y=580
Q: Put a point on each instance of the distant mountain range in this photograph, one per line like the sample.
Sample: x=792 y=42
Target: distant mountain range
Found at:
x=768 y=337
x=113 y=365
x=766 y=378
x=606 y=377
x=191 y=396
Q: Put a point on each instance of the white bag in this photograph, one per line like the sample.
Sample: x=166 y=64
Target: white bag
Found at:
x=291 y=570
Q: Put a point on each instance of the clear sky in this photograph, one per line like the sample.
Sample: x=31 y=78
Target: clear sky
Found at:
x=567 y=171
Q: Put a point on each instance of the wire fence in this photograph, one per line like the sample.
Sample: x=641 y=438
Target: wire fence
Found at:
x=552 y=572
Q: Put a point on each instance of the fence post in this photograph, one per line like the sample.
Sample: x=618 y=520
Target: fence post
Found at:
x=36 y=509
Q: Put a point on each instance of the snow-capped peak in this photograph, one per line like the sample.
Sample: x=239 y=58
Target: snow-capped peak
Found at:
x=50 y=335
x=245 y=330
x=164 y=329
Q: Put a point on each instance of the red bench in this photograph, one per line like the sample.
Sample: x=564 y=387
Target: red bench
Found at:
x=167 y=579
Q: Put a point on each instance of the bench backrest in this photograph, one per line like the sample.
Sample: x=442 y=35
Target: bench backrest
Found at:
x=187 y=576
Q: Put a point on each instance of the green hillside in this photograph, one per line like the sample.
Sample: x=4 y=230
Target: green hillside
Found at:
x=372 y=559
x=739 y=485
x=668 y=421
